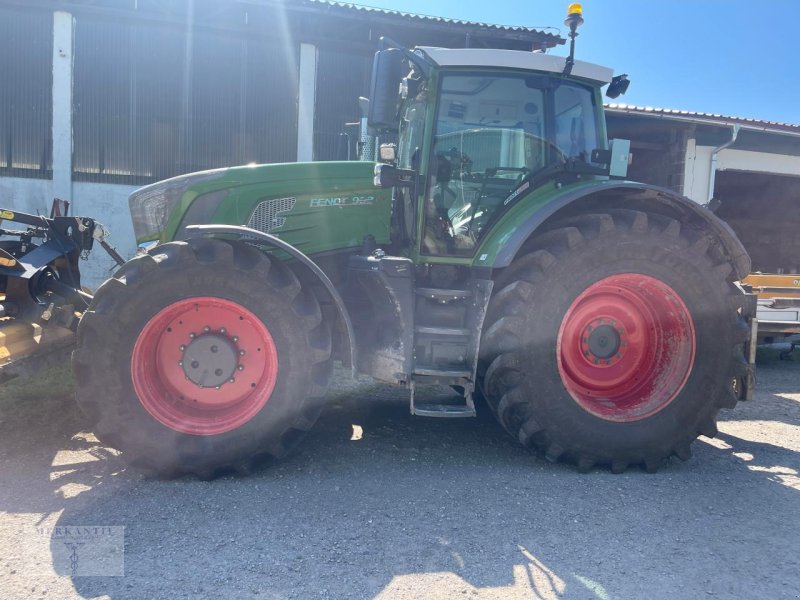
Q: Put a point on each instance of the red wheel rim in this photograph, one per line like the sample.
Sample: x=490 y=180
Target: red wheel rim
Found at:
x=204 y=366
x=626 y=347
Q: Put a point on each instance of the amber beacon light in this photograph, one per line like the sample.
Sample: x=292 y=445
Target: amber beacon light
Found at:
x=574 y=16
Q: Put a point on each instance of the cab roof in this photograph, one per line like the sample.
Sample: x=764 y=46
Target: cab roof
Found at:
x=515 y=59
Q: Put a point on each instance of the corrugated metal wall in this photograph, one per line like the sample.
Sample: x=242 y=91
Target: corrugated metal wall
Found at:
x=154 y=97
x=26 y=73
x=153 y=101
x=342 y=76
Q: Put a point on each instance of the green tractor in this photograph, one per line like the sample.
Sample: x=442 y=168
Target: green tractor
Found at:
x=496 y=249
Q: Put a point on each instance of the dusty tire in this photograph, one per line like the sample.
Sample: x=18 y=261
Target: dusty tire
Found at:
x=270 y=342
x=552 y=384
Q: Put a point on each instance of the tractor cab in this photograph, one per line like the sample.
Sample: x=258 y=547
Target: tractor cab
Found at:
x=480 y=129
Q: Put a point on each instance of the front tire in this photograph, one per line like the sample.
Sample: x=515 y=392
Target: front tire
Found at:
x=614 y=340
x=201 y=357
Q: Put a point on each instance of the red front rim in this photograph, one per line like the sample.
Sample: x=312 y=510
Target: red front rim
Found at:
x=626 y=347
x=204 y=366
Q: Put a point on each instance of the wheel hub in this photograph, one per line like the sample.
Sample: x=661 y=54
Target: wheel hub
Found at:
x=210 y=360
x=602 y=341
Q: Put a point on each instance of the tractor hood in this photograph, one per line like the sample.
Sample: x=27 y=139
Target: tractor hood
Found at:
x=316 y=207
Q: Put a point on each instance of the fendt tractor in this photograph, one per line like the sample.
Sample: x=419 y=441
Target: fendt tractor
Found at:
x=496 y=248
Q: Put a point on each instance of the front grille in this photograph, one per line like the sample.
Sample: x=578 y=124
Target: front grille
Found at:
x=265 y=217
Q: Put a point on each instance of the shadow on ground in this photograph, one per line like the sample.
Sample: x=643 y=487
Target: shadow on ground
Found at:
x=377 y=503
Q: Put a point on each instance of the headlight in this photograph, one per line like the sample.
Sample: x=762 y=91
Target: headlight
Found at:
x=150 y=209
x=152 y=206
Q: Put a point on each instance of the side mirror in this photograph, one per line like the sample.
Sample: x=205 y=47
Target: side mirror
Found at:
x=389 y=176
x=618 y=86
x=388 y=70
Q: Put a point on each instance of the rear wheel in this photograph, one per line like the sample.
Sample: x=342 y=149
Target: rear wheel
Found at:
x=615 y=340
x=202 y=356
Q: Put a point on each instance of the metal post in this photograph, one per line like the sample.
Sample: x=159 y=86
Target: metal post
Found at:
x=63 y=45
x=306 y=103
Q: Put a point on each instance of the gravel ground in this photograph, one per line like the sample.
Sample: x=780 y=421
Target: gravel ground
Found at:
x=415 y=508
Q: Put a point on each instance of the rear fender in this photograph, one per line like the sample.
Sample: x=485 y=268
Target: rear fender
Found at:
x=270 y=242
x=627 y=194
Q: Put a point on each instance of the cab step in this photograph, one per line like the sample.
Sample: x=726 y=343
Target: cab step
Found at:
x=443 y=373
x=433 y=330
x=447 y=411
x=443 y=295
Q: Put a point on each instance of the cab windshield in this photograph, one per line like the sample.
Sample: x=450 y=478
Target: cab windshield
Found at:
x=493 y=133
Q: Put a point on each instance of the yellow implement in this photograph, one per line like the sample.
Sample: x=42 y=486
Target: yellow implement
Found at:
x=778 y=304
x=19 y=339
x=768 y=286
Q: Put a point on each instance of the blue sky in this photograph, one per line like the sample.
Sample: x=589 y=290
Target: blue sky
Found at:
x=734 y=57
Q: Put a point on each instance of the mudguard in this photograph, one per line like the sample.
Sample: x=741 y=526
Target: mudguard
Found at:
x=647 y=195
x=270 y=241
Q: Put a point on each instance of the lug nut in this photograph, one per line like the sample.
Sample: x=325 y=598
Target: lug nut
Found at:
x=222 y=330
x=241 y=352
x=180 y=363
x=231 y=380
x=235 y=338
x=240 y=368
x=206 y=329
x=182 y=348
x=192 y=336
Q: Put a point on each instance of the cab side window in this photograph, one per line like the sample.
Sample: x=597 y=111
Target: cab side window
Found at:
x=573 y=110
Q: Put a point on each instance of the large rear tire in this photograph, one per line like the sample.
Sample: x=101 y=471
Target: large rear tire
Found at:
x=202 y=357
x=615 y=340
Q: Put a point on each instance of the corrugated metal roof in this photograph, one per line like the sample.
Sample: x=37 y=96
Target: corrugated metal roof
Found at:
x=702 y=116
x=552 y=39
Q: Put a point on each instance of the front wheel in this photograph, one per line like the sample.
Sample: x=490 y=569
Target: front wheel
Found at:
x=615 y=341
x=200 y=357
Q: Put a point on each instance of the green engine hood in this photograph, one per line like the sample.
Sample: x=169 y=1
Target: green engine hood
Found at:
x=317 y=207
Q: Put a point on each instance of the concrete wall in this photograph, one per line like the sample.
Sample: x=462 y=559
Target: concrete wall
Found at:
x=103 y=202
x=108 y=204
x=26 y=195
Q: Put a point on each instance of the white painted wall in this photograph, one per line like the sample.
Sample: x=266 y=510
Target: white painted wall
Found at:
x=697 y=169
x=108 y=204
x=758 y=162
x=104 y=202
x=33 y=196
